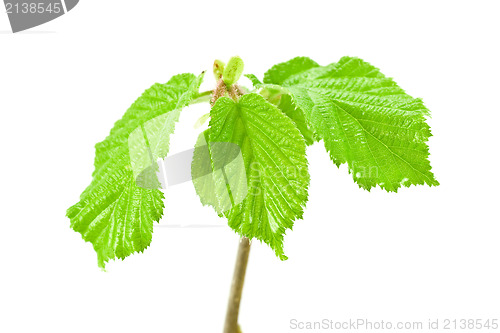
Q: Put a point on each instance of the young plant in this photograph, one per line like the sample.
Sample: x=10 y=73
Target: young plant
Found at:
x=250 y=164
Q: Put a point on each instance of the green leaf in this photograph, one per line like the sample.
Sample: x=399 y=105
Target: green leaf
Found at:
x=203 y=178
x=255 y=81
x=366 y=120
x=218 y=173
x=279 y=73
x=114 y=213
x=275 y=95
x=287 y=106
x=274 y=165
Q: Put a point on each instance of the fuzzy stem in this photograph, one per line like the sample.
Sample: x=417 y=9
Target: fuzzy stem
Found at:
x=233 y=306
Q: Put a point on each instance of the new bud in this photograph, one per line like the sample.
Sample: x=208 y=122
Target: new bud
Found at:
x=233 y=71
x=218 y=69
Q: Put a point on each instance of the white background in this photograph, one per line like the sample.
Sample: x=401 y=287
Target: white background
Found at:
x=421 y=253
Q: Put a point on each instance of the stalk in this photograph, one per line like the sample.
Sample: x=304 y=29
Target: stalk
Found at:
x=202 y=97
x=233 y=306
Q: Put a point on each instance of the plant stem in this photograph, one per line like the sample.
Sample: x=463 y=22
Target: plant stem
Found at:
x=202 y=97
x=233 y=306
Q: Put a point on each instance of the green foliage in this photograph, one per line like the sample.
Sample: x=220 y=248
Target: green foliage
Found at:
x=113 y=213
x=275 y=166
x=279 y=73
x=364 y=119
x=250 y=164
x=287 y=106
x=255 y=81
x=219 y=174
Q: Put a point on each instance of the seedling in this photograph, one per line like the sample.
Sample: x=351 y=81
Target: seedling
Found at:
x=250 y=164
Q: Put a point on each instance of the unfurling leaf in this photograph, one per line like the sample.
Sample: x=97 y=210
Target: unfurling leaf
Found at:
x=233 y=70
x=218 y=69
x=255 y=81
